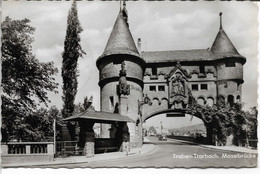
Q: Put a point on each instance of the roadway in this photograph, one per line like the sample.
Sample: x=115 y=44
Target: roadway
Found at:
x=173 y=153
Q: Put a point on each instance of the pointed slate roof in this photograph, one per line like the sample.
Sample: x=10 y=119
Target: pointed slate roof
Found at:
x=99 y=117
x=222 y=46
x=178 y=55
x=120 y=40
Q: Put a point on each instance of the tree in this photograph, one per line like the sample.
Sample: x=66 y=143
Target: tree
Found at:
x=221 y=120
x=251 y=127
x=72 y=51
x=152 y=130
x=24 y=78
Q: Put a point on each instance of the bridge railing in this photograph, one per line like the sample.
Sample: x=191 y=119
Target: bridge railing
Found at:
x=22 y=152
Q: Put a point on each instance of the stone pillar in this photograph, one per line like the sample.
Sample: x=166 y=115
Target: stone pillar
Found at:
x=89 y=149
x=27 y=149
x=4 y=149
x=50 y=149
x=87 y=130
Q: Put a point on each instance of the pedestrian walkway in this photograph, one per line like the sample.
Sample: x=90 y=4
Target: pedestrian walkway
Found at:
x=145 y=149
x=232 y=148
x=226 y=148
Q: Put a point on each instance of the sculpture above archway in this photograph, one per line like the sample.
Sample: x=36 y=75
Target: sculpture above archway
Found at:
x=178 y=89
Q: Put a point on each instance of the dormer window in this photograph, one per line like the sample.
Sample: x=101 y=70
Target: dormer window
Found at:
x=154 y=71
x=202 y=69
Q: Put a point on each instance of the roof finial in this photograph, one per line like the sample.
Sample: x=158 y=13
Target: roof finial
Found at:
x=120 y=5
x=220 y=15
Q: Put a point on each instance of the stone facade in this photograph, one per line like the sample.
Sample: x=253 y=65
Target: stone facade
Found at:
x=166 y=77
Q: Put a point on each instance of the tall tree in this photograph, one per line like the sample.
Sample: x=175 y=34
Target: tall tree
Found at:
x=72 y=51
x=24 y=78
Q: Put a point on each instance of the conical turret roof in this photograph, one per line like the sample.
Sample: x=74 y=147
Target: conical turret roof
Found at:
x=120 y=40
x=222 y=46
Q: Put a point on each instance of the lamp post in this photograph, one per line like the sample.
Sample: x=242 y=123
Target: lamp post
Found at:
x=140 y=104
x=54 y=136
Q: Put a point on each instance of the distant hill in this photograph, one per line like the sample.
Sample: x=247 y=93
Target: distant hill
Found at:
x=192 y=129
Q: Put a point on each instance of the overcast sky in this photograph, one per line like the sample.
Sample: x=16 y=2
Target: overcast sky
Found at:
x=161 y=25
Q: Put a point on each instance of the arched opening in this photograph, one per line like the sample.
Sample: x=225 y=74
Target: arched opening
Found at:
x=238 y=100
x=187 y=128
x=210 y=101
x=231 y=100
x=201 y=101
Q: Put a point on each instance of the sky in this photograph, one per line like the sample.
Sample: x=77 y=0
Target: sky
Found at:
x=161 y=25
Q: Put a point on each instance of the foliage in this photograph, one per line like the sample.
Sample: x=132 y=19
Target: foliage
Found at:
x=72 y=51
x=251 y=126
x=25 y=80
x=222 y=120
x=153 y=130
x=41 y=123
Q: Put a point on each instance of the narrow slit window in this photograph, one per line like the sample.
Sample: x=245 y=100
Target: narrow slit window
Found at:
x=154 y=71
x=202 y=69
x=111 y=101
x=225 y=85
x=238 y=86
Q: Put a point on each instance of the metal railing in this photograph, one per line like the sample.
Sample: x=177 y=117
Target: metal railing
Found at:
x=67 y=148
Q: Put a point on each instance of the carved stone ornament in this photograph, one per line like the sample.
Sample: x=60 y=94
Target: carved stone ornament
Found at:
x=177 y=86
x=123 y=88
x=178 y=91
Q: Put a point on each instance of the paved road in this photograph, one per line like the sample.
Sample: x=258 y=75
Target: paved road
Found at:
x=173 y=153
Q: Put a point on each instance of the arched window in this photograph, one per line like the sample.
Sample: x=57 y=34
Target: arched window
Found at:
x=210 y=101
x=231 y=100
x=201 y=101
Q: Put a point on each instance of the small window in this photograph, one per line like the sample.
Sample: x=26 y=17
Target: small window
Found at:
x=238 y=86
x=161 y=88
x=154 y=71
x=225 y=85
x=111 y=101
x=231 y=100
x=194 y=87
x=152 y=88
x=204 y=87
x=231 y=64
x=202 y=69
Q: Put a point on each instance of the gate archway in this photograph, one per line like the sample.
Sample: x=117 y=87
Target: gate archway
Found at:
x=175 y=124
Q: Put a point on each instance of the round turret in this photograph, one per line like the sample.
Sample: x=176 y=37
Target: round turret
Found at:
x=120 y=49
x=229 y=67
